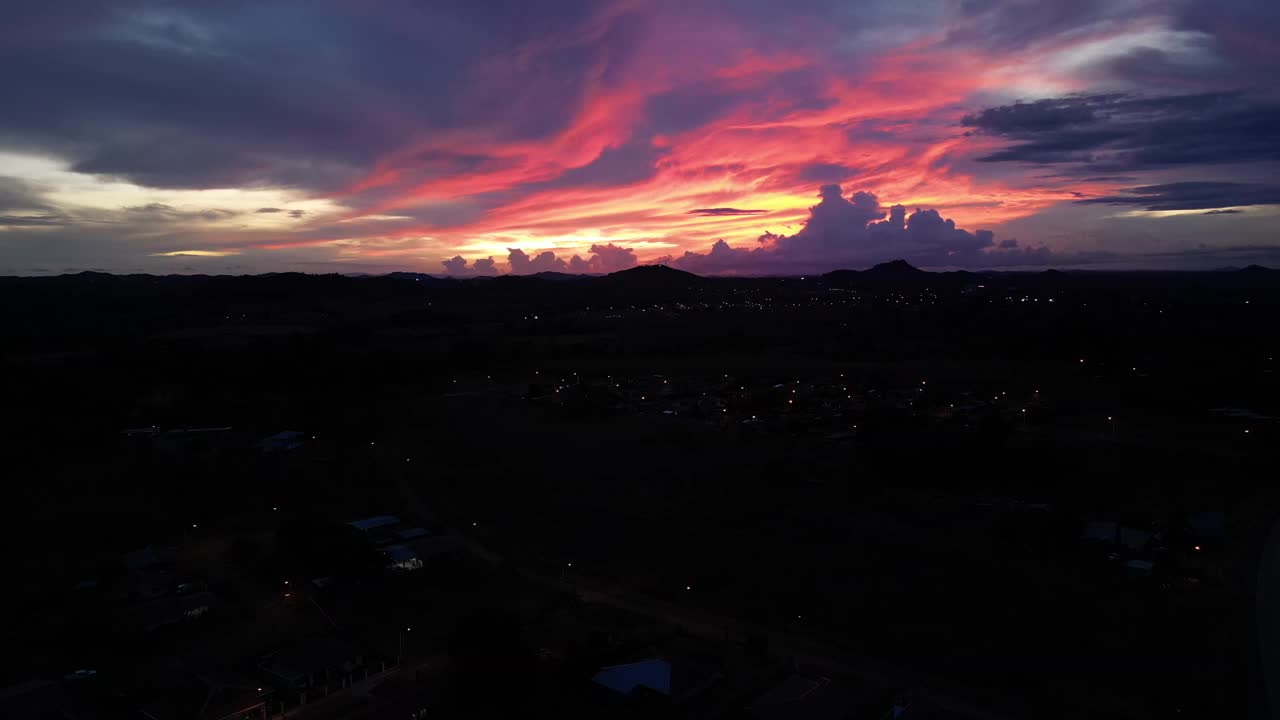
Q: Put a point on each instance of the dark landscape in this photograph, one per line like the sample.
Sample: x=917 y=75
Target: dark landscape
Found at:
x=977 y=494
x=640 y=359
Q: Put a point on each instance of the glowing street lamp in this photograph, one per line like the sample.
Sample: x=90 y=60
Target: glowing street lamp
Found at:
x=400 y=655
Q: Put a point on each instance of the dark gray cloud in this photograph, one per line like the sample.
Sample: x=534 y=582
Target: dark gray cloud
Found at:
x=160 y=212
x=1044 y=115
x=1224 y=212
x=1115 y=133
x=235 y=94
x=1191 y=196
x=16 y=194
x=273 y=210
x=22 y=205
x=1241 y=37
x=1009 y=25
x=32 y=220
x=714 y=212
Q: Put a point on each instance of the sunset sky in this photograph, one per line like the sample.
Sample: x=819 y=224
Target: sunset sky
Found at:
x=719 y=136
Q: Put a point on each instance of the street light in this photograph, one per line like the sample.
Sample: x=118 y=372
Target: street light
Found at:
x=400 y=655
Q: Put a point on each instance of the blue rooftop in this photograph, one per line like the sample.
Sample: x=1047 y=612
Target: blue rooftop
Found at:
x=374 y=522
x=653 y=674
x=399 y=553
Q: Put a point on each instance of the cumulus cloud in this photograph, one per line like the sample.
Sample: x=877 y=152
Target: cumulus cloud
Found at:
x=610 y=258
x=721 y=259
x=457 y=266
x=859 y=231
x=602 y=259
x=521 y=264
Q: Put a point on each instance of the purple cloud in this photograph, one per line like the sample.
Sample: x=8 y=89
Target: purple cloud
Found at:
x=857 y=231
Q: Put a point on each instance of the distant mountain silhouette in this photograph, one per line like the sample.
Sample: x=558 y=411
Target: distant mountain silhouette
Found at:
x=654 y=276
x=895 y=269
x=558 y=276
x=963 y=277
x=892 y=273
x=841 y=276
x=416 y=277
x=650 y=282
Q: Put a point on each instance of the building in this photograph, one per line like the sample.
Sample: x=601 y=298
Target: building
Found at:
x=282 y=442
x=653 y=674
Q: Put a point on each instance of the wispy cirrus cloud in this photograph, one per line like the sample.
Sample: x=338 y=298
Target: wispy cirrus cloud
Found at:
x=724 y=211
x=1192 y=196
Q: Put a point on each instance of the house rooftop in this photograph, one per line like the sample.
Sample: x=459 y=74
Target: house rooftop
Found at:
x=654 y=674
x=376 y=521
x=411 y=533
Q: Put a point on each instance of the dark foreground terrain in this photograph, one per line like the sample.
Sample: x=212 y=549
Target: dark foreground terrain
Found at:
x=647 y=494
